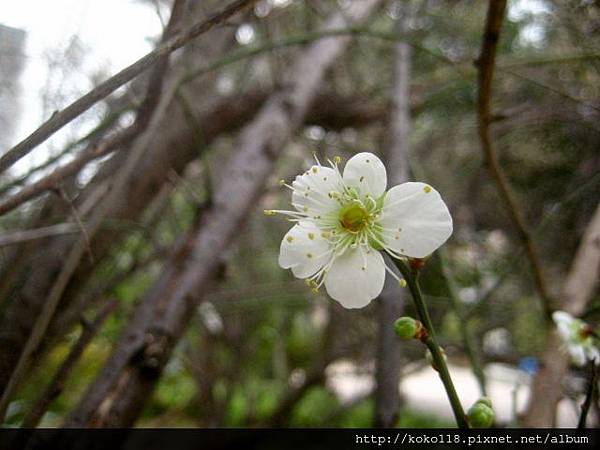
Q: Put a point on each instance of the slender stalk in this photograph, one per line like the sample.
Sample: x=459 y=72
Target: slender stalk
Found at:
x=589 y=395
x=431 y=342
x=486 y=65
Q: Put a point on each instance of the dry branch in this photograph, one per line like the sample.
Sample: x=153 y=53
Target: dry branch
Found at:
x=16 y=237
x=75 y=109
x=485 y=65
x=57 y=384
x=97 y=217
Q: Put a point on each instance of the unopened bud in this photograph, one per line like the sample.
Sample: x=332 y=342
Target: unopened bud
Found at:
x=481 y=414
x=407 y=327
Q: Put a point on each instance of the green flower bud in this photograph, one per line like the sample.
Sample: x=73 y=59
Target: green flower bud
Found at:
x=406 y=327
x=481 y=414
x=485 y=401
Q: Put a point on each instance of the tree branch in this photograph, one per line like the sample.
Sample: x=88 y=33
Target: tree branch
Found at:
x=81 y=105
x=589 y=395
x=485 y=65
x=56 y=385
x=17 y=237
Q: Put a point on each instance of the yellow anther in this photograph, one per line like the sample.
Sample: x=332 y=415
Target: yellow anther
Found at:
x=282 y=182
x=311 y=236
x=269 y=212
x=290 y=239
x=315 y=290
x=337 y=159
x=305 y=209
x=427 y=189
x=315 y=169
x=402 y=283
x=325 y=234
x=308 y=282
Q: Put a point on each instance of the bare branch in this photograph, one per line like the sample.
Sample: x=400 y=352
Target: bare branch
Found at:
x=485 y=64
x=96 y=219
x=56 y=385
x=81 y=105
x=16 y=237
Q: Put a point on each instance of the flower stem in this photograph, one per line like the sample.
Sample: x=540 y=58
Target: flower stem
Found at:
x=431 y=342
x=589 y=395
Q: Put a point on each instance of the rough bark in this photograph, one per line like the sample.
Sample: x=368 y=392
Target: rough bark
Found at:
x=118 y=394
x=578 y=289
x=390 y=304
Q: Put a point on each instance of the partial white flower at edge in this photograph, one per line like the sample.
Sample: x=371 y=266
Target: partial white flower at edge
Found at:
x=344 y=221
x=578 y=337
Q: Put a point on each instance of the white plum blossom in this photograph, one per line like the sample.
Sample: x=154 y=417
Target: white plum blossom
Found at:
x=344 y=221
x=578 y=337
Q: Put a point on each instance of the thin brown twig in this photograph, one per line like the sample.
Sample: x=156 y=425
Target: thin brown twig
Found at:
x=585 y=407
x=16 y=237
x=485 y=65
x=78 y=107
x=56 y=385
x=52 y=180
x=63 y=195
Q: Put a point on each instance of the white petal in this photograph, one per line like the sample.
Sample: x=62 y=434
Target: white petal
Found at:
x=564 y=323
x=366 y=172
x=562 y=317
x=312 y=189
x=577 y=354
x=304 y=250
x=356 y=277
x=416 y=220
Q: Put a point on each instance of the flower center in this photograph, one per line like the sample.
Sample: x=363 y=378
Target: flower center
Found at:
x=354 y=217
